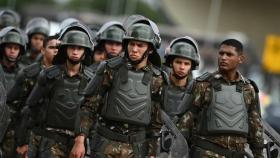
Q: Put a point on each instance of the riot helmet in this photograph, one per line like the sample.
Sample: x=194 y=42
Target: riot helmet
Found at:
x=185 y=47
x=74 y=35
x=13 y=35
x=147 y=31
x=9 y=18
x=111 y=31
x=37 y=25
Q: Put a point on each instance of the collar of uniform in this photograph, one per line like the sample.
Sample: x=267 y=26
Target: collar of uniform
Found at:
x=77 y=75
x=218 y=75
x=9 y=69
x=146 y=68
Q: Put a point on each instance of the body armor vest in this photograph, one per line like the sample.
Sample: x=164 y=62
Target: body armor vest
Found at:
x=4 y=112
x=10 y=78
x=226 y=113
x=64 y=103
x=129 y=100
x=177 y=101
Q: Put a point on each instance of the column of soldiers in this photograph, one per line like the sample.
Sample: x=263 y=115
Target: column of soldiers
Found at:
x=72 y=95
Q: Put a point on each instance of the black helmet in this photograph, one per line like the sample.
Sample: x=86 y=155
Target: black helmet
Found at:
x=9 y=18
x=147 y=31
x=74 y=35
x=111 y=31
x=14 y=35
x=37 y=25
x=185 y=47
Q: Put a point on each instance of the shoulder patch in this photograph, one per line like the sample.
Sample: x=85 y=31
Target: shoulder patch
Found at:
x=115 y=62
x=53 y=72
x=204 y=77
x=253 y=83
x=32 y=70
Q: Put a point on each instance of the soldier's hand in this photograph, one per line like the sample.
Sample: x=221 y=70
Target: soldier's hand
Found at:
x=78 y=150
x=22 y=150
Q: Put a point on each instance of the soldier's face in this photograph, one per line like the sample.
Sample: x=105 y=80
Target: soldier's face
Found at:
x=229 y=58
x=75 y=53
x=181 y=66
x=12 y=51
x=136 y=49
x=51 y=50
x=99 y=56
x=37 y=41
x=114 y=48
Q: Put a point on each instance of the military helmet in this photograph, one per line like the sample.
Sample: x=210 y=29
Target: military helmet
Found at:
x=74 y=35
x=111 y=31
x=11 y=34
x=37 y=25
x=66 y=22
x=185 y=47
x=9 y=18
x=145 y=30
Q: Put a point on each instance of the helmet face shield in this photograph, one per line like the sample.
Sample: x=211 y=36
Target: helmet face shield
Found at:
x=9 y=18
x=111 y=31
x=37 y=25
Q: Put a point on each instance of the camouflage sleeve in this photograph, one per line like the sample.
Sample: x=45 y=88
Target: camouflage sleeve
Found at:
x=255 y=137
x=156 y=122
x=201 y=93
x=89 y=108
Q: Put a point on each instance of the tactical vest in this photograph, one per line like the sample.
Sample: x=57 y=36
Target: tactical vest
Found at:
x=177 y=101
x=65 y=99
x=227 y=113
x=10 y=80
x=4 y=112
x=129 y=99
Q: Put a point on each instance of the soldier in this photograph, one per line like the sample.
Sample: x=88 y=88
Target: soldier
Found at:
x=128 y=120
x=182 y=56
x=12 y=47
x=37 y=29
x=9 y=18
x=61 y=90
x=25 y=82
x=224 y=114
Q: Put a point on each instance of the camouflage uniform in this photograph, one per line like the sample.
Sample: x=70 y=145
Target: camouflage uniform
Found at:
x=125 y=102
x=189 y=123
x=57 y=97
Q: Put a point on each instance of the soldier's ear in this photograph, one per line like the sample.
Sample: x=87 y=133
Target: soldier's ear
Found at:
x=241 y=58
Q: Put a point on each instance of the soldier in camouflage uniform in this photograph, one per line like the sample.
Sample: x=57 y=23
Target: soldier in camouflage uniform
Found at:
x=37 y=29
x=224 y=114
x=58 y=94
x=12 y=46
x=25 y=82
x=124 y=99
x=9 y=18
x=182 y=56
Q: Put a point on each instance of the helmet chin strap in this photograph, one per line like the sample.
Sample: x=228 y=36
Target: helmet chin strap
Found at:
x=136 y=62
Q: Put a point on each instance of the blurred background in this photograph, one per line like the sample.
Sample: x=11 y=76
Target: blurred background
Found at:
x=255 y=23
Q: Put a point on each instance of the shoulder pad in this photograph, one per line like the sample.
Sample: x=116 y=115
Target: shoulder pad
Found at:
x=156 y=71
x=52 y=72
x=32 y=70
x=204 y=77
x=101 y=68
x=115 y=62
x=88 y=72
x=254 y=85
x=165 y=77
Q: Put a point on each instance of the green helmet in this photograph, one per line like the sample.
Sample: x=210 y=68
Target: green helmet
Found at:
x=185 y=47
x=132 y=19
x=111 y=31
x=9 y=18
x=11 y=34
x=74 y=35
x=37 y=25
x=147 y=31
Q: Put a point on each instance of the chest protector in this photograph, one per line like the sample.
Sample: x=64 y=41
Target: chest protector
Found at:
x=129 y=99
x=227 y=111
x=10 y=80
x=64 y=104
x=177 y=101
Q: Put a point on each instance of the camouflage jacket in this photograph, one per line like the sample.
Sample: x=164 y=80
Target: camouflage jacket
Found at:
x=202 y=98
